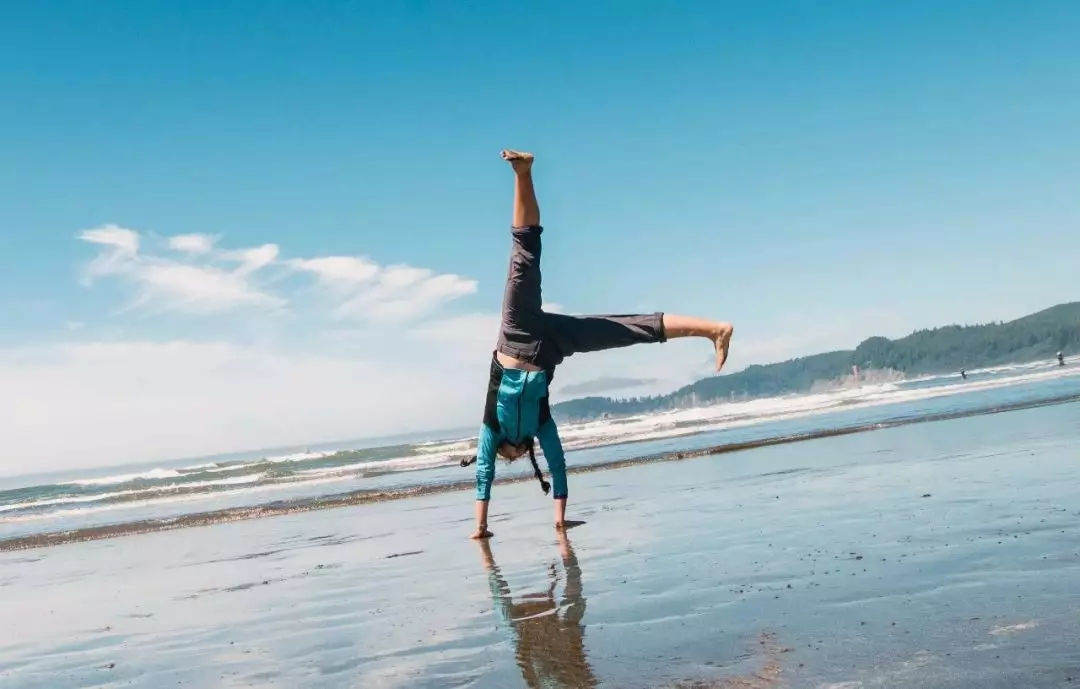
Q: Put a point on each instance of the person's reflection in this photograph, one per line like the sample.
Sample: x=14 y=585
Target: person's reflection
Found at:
x=549 y=638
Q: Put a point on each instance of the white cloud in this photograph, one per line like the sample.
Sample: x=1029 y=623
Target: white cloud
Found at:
x=383 y=293
x=120 y=252
x=166 y=284
x=208 y=280
x=198 y=289
x=121 y=238
x=254 y=258
x=130 y=401
x=372 y=326
x=192 y=243
x=341 y=270
x=402 y=293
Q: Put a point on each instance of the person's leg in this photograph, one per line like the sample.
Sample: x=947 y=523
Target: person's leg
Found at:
x=526 y=209
x=596 y=333
x=521 y=309
x=688 y=326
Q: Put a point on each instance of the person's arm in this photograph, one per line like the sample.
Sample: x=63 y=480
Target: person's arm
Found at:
x=486 y=446
x=573 y=602
x=548 y=435
x=500 y=590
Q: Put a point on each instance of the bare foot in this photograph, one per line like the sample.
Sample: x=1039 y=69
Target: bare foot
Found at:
x=481 y=533
x=723 y=341
x=519 y=160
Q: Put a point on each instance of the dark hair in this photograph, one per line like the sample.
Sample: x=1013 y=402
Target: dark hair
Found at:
x=466 y=461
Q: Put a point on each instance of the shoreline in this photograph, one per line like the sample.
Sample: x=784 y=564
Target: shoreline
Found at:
x=367 y=496
x=825 y=564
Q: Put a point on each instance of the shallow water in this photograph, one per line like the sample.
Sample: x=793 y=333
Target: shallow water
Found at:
x=166 y=498
x=136 y=496
x=817 y=564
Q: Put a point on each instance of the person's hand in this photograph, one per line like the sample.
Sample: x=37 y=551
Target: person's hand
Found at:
x=481 y=533
x=485 y=553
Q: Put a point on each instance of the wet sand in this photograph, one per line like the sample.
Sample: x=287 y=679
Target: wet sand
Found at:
x=942 y=554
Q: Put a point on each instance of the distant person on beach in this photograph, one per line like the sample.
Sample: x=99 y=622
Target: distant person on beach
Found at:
x=1061 y=359
x=532 y=342
x=963 y=374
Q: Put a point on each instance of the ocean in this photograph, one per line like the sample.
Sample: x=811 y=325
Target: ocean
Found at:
x=96 y=503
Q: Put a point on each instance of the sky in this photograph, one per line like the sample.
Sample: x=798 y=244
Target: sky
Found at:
x=234 y=225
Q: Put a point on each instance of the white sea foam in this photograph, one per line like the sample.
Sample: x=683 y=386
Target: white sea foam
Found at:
x=219 y=467
x=446 y=447
x=725 y=415
x=411 y=463
x=74 y=499
x=158 y=500
x=126 y=478
x=605 y=432
x=103 y=497
x=297 y=457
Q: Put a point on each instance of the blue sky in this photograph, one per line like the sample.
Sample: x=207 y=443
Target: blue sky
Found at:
x=814 y=172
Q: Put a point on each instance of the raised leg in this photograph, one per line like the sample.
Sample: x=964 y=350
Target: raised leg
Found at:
x=688 y=326
x=526 y=209
x=575 y=334
x=521 y=329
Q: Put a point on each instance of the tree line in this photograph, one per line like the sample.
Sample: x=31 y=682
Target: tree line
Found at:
x=949 y=348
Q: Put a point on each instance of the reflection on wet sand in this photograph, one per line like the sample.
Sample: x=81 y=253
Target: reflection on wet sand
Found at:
x=549 y=638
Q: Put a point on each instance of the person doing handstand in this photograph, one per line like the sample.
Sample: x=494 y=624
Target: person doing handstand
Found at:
x=532 y=342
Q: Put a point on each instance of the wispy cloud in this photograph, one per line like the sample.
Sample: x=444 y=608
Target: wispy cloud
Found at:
x=192 y=243
x=197 y=289
x=168 y=284
x=120 y=247
x=340 y=271
x=254 y=258
x=368 y=291
x=123 y=239
x=205 y=278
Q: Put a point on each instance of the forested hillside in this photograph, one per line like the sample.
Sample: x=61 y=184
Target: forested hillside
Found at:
x=948 y=348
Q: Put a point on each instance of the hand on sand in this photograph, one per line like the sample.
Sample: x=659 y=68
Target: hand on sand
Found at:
x=519 y=160
x=568 y=524
x=723 y=342
x=481 y=533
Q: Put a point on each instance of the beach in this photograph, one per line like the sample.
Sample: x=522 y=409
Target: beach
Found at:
x=744 y=337
x=938 y=554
